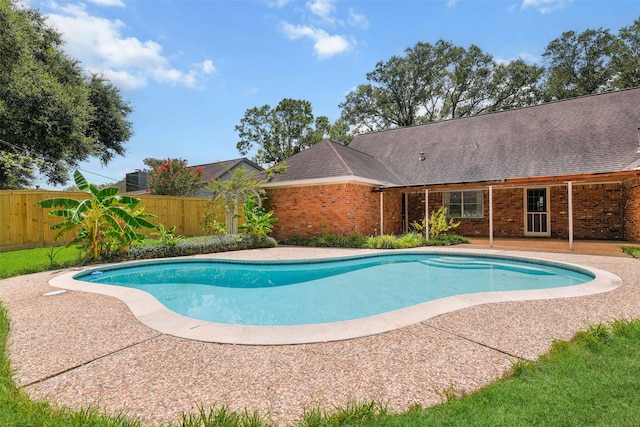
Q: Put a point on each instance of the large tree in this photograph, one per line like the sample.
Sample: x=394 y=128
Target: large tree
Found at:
x=285 y=130
x=52 y=115
x=626 y=58
x=436 y=82
x=578 y=64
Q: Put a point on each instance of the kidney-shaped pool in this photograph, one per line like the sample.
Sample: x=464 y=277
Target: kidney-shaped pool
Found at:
x=285 y=298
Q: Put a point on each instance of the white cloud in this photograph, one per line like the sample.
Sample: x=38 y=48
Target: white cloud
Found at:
x=208 y=67
x=358 y=20
x=278 y=3
x=250 y=92
x=122 y=79
x=325 y=45
x=117 y=3
x=545 y=6
x=525 y=56
x=128 y=62
x=322 y=8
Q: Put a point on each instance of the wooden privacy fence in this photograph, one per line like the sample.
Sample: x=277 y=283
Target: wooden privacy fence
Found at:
x=26 y=225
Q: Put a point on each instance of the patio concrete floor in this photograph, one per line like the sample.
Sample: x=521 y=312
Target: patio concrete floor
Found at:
x=80 y=348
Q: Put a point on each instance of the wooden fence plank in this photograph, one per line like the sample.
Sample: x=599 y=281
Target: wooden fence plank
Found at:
x=24 y=224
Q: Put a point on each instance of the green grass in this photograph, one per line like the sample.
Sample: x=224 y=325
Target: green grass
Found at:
x=15 y=263
x=634 y=251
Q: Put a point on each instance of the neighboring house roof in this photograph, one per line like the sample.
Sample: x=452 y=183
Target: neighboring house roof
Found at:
x=330 y=160
x=213 y=171
x=137 y=181
x=587 y=135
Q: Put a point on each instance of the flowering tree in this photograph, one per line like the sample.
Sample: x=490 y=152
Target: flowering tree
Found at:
x=172 y=177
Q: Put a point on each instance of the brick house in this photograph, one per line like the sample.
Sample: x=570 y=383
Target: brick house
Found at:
x=567 y=169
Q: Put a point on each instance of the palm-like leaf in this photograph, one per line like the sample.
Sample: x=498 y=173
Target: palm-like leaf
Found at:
x=103 y=220
x=80 y=181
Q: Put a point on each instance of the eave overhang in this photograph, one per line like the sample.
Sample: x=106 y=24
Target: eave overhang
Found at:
x=595 y=178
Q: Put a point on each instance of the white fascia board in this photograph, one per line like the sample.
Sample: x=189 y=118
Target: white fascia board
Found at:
x=347 y=179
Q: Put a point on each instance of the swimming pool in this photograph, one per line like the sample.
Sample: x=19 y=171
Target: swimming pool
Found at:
x=324 y=291
x=325 y=299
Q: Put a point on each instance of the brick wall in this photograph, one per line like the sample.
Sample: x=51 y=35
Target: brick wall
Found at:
x=632 y=210
x=601 y=211
x=340 y=209
x=598 y=212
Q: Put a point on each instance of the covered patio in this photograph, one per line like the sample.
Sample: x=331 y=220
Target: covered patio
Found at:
x=586 y=207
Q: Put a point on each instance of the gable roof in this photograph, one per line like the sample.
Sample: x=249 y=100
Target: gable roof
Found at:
x=330 y=160
x=213 y=171
x=587 y=135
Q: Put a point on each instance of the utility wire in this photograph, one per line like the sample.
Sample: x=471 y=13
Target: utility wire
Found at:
x=45 y=158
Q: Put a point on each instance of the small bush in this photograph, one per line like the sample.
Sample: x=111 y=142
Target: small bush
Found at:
x=382 y=242
x=409 y=240
x=328 y=241
x=195 y=246
x=634 y=251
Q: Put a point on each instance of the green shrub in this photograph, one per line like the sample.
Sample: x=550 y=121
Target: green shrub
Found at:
x=328 y=241
x=438 y=224
x=382 y=242
x=447 y=240
x=194 y=246
x=634 y=251
x=409 y=240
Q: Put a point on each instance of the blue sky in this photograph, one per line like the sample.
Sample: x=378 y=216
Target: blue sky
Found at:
x=191 y=68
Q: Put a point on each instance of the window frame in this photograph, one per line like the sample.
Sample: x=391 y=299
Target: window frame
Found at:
x=479 y=203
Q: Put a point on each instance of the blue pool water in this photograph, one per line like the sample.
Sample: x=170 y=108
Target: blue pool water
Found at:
x=310 y=292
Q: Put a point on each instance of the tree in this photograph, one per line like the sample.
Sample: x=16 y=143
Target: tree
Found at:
x=172 y=177
x=578 y=64
x=436 y=82
x=626 y=57
x=49 y=110
x=229 y=195
x=283 y=131
x=17 y=171
x=104 y=221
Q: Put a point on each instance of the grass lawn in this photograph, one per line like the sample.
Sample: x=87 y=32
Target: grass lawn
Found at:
x=27 y=261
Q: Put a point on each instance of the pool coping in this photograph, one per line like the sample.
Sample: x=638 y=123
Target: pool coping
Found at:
x=155 y=315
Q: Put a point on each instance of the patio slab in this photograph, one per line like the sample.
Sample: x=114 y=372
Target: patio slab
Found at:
x=78 y=348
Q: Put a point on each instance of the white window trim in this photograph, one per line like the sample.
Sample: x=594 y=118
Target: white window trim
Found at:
x=548 y=213
x=480 y=191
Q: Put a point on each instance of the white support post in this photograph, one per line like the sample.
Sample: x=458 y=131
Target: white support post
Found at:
x=570 y=213
x=490 y=216
x=381 y=213
x=426 y=213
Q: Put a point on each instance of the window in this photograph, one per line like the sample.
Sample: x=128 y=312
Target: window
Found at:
x=464 y=204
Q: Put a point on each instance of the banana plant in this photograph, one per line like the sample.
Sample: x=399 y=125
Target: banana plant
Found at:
x=256 y=220
x=104 y=221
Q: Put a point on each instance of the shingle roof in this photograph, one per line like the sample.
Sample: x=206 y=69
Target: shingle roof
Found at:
x=593 y=134
x=213 y=171
x=327 y=160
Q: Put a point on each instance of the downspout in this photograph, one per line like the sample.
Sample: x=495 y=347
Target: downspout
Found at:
x=490 y=216
x=381 y=213
x=570 y=201
x=426 y=213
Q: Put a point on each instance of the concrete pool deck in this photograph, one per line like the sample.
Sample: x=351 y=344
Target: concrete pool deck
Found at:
x=80 y=348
